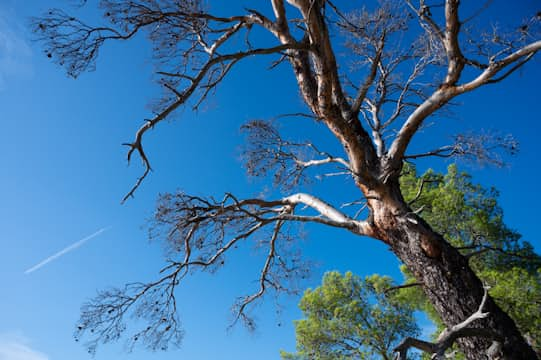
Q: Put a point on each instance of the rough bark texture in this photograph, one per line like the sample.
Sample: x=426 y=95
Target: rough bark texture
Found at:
x=448 y=281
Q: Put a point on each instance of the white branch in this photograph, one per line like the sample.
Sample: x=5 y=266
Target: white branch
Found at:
x=329 y=212
x=322 y=162
x=414 y=121
x=495 y=67
x=479 y=314
x=445 y=93
x=448 y=336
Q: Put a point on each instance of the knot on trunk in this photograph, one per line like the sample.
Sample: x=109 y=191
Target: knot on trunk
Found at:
x=430 y=246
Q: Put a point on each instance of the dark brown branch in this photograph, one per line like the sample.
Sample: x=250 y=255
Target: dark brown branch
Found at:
x=199 y=233
x=240 y=307
x=481 y=249
x=329 y=102
x=103 y=318
x=478 y=12
x=483 y=148
x=266 y=152
x=405 y=286
x=420 y=190
x=361 y=94
x=74 y=44
x=183 y=96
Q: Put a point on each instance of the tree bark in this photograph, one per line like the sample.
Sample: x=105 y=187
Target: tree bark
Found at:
x=448 y=280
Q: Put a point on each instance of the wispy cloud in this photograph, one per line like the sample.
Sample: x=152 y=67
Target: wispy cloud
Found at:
x=15 y=52
x=64 y=251
x=17 y=347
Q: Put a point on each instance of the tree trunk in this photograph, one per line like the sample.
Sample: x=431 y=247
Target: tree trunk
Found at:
x=448 y=281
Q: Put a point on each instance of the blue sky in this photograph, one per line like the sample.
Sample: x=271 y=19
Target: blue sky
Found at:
x=64 y=173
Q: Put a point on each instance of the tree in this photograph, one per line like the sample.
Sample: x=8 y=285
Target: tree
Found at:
x=438 y=350
x=519 y=294
x=351 y=318
x=411 y=62
x=470 y=218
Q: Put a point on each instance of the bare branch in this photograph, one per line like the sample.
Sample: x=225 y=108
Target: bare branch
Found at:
x=442 y=96
x=427 y=22
x=479 y=314
x=405 y=286
x=521 y=56
x=74 y=44
x=483 y=148
x=267 y=152
x=517 y=66
x=478 y=12
x=184 y=35
x=450 y=87
x=183 y=96
x=449 y=335
x=280 y=14
x=240 y=307
x=103 y=318
x=420 y=190
x=199 y=232
x=361 y=94
x=455 y=59
x=482 y=248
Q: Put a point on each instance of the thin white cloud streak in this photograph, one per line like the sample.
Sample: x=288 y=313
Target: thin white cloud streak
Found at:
x=66 y=250
x=16 y=347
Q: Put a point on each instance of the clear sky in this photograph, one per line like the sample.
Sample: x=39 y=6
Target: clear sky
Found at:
x=64 y=173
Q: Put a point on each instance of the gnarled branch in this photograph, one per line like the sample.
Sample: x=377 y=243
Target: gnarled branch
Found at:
x=267 y=151
x=199 y=233
x=449 y=335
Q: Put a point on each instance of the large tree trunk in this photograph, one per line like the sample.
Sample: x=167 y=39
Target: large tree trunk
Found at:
x=448 y=281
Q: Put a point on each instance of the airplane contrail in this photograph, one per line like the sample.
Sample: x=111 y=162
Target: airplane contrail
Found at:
x=66 y=250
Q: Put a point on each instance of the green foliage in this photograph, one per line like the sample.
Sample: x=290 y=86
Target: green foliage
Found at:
x=415 y=298
x=469 y=217
x=351 y=318
x=518 y=292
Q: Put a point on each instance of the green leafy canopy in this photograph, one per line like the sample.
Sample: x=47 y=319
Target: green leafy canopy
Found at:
x=348 y=317
x=352 y=318
x=470 y=218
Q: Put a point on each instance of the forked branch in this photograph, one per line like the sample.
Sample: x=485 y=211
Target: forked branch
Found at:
x=266 y=151
x=183 y=96
x=199 y=233
x=482 y=148
x=450 y=86
x=449 y=335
